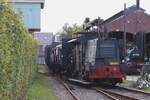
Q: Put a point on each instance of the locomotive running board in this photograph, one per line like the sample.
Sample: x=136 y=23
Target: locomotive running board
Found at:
x=80 y=82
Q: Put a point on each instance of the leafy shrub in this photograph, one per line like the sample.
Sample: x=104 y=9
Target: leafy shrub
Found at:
x=18 y=56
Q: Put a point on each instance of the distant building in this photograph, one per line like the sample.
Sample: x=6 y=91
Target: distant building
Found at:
x=44 y=39
x=30 y=10
x=134 y=19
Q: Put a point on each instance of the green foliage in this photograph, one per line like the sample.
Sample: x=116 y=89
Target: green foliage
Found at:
x=68 y=31
x=18 y=56
x=40 y=89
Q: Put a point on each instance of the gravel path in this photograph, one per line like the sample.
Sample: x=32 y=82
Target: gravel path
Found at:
x=59 y=89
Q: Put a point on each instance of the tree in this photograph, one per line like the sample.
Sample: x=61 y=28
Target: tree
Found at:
x=68 y=30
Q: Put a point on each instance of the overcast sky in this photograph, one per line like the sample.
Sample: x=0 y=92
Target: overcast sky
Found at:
x=58 y=12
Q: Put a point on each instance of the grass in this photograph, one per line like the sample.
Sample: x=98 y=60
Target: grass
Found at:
x=40 y=89
x=147 y=89
x=132 y=84
x=127 y=83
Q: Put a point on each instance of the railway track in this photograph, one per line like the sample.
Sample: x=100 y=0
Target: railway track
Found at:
x=121 y=93
x=134 y=90
x=69 y=90
x=113 y=95
x=82 y=93
x=138 y=94
x=105 y=93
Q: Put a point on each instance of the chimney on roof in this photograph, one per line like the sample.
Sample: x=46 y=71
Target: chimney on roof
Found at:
x=138 y=4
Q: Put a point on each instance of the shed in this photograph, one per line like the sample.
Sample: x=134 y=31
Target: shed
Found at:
x=132 y=21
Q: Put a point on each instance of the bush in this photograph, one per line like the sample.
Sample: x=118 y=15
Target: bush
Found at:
x=18 y=56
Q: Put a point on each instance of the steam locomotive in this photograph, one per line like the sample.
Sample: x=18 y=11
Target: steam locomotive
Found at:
x=136 y=52
x=87 y=58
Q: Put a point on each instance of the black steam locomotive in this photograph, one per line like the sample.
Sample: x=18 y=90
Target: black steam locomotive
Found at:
x=87 y=58
x=136 y=52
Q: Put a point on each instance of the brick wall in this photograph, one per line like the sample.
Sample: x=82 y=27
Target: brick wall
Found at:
x=138 y=21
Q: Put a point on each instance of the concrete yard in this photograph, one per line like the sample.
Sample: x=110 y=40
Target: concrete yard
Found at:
x=132 y=77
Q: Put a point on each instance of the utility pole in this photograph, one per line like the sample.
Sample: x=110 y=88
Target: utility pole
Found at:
x=98 y=28
x=137 y=8
x=124 y=30
x=136 y=19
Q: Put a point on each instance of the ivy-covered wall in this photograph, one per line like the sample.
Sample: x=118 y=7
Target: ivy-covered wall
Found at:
x=18 y=55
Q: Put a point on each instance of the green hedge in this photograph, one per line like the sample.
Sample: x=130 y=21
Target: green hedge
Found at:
x=18 y=56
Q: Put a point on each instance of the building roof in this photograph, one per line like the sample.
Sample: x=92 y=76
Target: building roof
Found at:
x=29 y=1
x=129 y=11
x=136 y=20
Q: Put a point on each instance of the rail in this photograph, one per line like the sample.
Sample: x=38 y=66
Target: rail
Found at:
x=113 y=95
x=69 y=90
x=134 y=90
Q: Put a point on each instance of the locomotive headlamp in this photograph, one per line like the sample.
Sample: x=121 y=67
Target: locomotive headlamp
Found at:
x=123 y=61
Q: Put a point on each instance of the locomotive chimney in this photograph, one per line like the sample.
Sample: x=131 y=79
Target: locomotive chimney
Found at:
x=138 y=4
